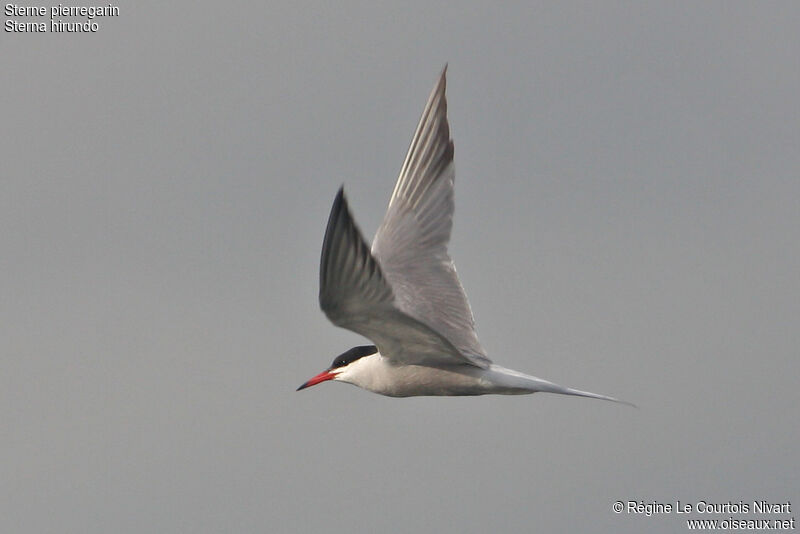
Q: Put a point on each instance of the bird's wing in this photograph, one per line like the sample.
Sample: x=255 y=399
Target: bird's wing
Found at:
x=411 y=243
x=355 y=294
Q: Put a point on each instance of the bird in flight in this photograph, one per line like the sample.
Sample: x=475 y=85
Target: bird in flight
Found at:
x=404 y=294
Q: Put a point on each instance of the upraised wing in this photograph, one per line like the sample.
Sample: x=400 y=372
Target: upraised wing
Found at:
x=411 y=243
x=355 y=294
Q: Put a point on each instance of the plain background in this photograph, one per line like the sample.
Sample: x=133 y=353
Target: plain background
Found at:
x=627 y=222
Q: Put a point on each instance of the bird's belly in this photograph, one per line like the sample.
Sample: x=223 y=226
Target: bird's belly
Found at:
x=419 y=380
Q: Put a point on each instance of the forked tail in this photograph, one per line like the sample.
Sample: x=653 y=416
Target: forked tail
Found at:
x=530 y=384
x=550 y=387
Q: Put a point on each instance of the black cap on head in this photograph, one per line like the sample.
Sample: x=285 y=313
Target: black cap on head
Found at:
x=353 y=354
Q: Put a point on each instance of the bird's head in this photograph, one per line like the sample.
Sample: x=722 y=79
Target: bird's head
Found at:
x=342 y=366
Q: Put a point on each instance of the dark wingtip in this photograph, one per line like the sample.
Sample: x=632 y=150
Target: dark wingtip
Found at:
x=339 y=203
x=333 y=217
x=339 y=195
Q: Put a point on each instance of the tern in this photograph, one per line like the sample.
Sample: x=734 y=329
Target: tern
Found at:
x=403 y=293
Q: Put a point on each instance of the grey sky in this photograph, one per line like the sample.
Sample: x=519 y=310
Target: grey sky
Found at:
x=627 y=222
